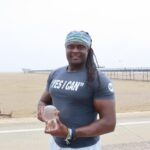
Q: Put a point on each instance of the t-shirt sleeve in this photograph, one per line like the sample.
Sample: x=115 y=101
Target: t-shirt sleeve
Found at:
x=49 y=80
x=103 y=88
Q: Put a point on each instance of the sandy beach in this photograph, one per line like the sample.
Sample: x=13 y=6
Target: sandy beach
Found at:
x=19 y=94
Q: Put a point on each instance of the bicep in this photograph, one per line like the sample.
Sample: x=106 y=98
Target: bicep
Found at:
x=46 y=98
x=106 y=109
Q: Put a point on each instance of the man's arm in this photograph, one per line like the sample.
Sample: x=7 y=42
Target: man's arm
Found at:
x=106 y=123
x=44 y=100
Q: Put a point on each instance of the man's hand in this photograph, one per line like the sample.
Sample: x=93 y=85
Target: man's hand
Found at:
x=44 y=100
x=56 y=128
x=40 y=113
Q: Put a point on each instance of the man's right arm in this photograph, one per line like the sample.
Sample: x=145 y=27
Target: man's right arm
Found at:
x=44 y=100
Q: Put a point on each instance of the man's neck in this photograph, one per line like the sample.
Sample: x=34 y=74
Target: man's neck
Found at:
x=74 y=68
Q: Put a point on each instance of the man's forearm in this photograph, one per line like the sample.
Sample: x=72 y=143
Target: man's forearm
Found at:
x=99 y=127
x=40 y=110
x=41 y=104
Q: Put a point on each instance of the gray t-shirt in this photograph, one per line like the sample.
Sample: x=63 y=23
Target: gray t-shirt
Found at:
x=73 y=97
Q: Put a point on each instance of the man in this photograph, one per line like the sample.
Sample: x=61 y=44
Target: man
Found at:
x=80 y=92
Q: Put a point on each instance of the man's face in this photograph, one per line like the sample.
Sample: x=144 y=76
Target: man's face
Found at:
x=76 y=54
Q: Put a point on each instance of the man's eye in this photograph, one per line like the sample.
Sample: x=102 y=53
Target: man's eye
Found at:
x=81 y=47
x=70 y=47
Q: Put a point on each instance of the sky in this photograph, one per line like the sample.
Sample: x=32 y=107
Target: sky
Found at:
x=32 y=32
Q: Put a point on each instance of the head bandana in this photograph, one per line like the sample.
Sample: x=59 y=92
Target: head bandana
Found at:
x=79 y=37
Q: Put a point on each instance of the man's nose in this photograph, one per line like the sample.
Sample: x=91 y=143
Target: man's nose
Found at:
x=75 y=49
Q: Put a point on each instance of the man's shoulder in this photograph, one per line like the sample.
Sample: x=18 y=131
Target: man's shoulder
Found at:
x=103 y=78
x=58 y=70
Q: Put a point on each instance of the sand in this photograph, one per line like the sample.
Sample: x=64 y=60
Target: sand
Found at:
x=19 y=94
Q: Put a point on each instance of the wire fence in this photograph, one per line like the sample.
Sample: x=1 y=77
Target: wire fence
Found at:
x=137 y=74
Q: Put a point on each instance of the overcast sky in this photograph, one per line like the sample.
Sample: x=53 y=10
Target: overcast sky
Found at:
x=32 y=32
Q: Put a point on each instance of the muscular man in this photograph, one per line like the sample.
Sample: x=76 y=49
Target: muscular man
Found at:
x=80 y=93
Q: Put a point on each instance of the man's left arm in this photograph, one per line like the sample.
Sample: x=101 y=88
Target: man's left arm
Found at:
x=106 y=122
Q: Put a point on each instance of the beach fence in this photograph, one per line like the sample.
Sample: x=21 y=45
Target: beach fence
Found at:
x=26 y=70
x=137 y=74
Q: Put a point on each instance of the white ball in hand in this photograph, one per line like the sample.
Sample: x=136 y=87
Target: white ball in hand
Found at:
x=50 y=112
